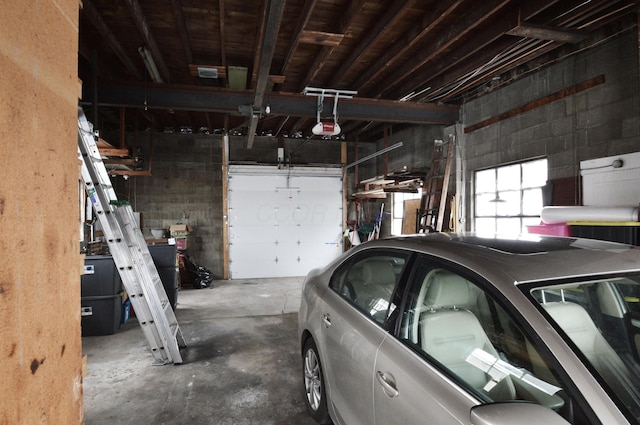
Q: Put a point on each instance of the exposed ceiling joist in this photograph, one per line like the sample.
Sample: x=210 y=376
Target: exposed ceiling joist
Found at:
x=321 y=58
x=147 y=36
x=90 y=11
x=476 y=51
x=321 y=38
x=444 y=40
x=309 y=5
x=389 y=18
x=546 y=32
x=432 y=51
x=182 y=28
x=439 y=13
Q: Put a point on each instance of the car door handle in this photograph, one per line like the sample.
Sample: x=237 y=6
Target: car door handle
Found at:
x=326 y=319
x=388 y=384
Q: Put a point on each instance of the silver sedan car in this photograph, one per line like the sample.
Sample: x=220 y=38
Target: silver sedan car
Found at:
x=459 y=329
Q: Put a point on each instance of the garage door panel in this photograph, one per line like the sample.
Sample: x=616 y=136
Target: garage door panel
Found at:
x=282 y=225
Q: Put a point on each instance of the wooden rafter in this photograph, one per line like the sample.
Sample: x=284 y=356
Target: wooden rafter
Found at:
x=147 y=36
x=390 y=16
x=321 y=38
x=483 y=46
x=223 y=50
x=470 y=21
x=94 y=16
x=406 y=42
x=321 y=58
x=514 y=57
x=546 y=32
x=182 y=28
x=302 y=23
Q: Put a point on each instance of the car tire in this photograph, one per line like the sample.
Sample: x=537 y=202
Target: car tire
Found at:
x=313 y=380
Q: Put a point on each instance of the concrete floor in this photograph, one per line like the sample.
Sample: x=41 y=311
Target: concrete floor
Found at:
x=242 y=364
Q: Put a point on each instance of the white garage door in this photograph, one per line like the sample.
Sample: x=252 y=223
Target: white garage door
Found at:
x=283 y=223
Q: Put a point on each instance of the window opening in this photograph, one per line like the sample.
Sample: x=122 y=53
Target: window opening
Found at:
x=508 y=198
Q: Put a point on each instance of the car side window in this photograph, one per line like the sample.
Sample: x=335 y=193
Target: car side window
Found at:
x=464 y=331
x=368 y=282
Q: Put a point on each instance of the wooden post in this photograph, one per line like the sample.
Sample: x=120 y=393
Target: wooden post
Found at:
x=225 y=206
x=345 y=186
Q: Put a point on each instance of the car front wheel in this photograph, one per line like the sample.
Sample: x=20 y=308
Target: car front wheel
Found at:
x=314 y=383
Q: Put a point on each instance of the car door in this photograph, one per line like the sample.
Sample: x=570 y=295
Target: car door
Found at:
x=456 y=348
x=356 y=307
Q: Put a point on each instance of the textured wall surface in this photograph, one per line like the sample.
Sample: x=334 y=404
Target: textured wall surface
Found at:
x=185 y=184
x=598 y=122
x=40 y=343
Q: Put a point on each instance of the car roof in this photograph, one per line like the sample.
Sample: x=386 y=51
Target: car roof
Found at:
x=524 y=258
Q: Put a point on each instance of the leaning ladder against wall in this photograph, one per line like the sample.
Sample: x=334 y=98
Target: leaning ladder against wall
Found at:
x=130 y=253
x=434 y=196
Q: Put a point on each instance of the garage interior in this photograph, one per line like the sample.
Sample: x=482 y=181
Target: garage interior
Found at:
x=263 y=138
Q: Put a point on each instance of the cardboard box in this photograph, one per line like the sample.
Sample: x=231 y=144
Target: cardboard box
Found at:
x=179 y=230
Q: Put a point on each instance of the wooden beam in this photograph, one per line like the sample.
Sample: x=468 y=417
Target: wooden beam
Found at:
x=546 y=32
x=388 y=19
x=147 y=36
x=223 y=37
x=345 y=184
x=113 y=152
x=182 y=28
x=444 y=40
x=478 y=51
x=321 y=58
x=225 y=206
x=304 y=19
x=429 y=22
x=585 y=85
x=529 y=50
x=130 y=173
x=321 y=38
x=94 y=16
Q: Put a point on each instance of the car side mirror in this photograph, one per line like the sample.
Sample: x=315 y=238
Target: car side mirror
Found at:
x=509 y=413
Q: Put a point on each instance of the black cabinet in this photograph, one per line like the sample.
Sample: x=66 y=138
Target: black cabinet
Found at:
x=165 y=259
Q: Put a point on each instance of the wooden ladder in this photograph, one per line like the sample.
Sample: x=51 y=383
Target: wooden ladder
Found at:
x=434 y=192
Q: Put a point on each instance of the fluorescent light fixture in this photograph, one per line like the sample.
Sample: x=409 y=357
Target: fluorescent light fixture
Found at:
x=150 y=64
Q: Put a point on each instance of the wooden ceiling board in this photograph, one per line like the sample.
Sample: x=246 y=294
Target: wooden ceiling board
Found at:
x=380 y=49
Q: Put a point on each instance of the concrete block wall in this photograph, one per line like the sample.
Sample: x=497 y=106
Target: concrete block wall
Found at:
x=185 y=185
x=416 y=150
x=601 y=121
x=301 y=151
x=40 y=343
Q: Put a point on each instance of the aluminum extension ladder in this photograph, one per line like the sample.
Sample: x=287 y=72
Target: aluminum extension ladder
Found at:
x=130 y=253
x=430 y=216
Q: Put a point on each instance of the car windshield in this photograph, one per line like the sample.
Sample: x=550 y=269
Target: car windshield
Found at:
x=601 y=318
